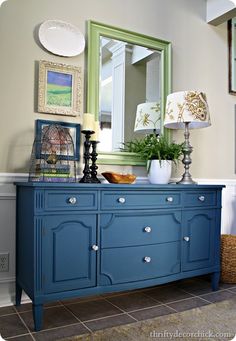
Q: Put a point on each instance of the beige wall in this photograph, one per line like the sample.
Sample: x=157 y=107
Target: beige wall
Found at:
x=199 y=62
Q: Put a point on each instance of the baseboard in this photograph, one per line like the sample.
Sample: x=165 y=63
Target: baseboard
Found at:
x=7 y=292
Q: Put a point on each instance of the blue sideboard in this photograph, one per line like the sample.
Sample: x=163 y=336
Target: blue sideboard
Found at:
x=85 y=239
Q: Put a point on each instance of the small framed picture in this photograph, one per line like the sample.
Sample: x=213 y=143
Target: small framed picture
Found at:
x=41 y=126
x=60 y=89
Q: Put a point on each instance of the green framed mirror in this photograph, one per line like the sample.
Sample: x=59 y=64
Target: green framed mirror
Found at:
x=124 y=69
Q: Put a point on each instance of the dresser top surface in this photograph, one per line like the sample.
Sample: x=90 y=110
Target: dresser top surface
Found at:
x=107 y=186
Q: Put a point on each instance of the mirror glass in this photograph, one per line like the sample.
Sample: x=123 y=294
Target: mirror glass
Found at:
x=130 y=75
x=232 y=55
x=125 y=69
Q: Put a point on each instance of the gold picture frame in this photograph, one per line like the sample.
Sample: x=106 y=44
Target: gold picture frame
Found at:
x=60 y=89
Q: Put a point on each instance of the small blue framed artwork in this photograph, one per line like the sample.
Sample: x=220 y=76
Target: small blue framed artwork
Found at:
x=60 y=89
x=41 y=126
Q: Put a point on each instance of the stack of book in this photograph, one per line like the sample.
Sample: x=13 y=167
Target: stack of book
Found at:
x=53 y=173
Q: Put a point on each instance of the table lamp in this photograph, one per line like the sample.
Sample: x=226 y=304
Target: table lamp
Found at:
x=187 y=110
x=148 y=118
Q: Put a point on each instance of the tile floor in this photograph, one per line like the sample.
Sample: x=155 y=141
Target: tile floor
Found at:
x=86 y=315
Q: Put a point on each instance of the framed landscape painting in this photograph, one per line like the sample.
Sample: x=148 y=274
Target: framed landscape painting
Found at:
x=60 y=89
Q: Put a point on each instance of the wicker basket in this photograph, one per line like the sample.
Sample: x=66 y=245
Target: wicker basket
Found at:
x=228 y=258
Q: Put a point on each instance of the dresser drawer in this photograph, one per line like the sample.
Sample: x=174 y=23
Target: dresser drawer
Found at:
x=130 y=264
x=126 y=229
x=197 y=198
x=138 y=199
x=71 y=200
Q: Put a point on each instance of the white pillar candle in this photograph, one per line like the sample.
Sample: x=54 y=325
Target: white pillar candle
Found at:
x=96 y=129
x=88 y=122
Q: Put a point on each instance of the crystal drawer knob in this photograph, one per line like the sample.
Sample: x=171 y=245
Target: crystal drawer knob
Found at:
x=148 y=229
x=72 y=200
x=201 y=198
x=147 y=259
x=95 y=247
x=186 y=239
x=170 y=199
x=121 y=200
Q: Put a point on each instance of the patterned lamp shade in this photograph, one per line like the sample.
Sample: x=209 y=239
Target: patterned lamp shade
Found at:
x=187 y=107
x=148 y=118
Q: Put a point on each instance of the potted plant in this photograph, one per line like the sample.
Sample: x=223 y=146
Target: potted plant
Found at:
x=159 y=153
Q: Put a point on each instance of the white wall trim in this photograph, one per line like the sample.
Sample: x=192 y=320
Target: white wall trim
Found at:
x=7 y=280
x=200 y=181
x=13 y=177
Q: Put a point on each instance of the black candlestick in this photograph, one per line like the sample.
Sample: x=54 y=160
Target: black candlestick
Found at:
x=94 y=167
x=87 y=143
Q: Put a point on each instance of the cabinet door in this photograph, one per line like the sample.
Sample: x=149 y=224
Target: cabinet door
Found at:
x=68 y=260
x=198 y=245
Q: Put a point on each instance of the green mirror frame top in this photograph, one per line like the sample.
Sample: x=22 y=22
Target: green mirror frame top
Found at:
x=95 y=30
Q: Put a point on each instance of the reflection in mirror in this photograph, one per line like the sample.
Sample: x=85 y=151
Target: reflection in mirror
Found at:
x=232 y=55
x=130 y=75
x=128 y=80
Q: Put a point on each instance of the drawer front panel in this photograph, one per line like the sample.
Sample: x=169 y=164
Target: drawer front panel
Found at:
x=126 y=229
x=71 y=200
x=138 y=199
x=130 y=264
x=197 y=198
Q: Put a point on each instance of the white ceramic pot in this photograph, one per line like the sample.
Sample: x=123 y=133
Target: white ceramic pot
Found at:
x=159 y=172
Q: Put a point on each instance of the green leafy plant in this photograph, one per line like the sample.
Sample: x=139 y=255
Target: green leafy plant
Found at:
x=152 y=147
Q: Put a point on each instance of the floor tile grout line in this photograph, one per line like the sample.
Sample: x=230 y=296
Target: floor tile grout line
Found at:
x=114 y=305
x=204 y=299
x=22 y=320
x=20 y=335
x=145 y=308
x=231 y=291
x=194 y=295
x=30 y=310
x=175 y=311
x=8 y=314
x=103 y=318
x=54 y=328
x=183 y=299
x=82 y=301
x=154 y=299
x=90 y=331
x=199 y=296
x=121 y=310
x=211 y=292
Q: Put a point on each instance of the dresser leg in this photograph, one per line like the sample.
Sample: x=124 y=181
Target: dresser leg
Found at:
x=38 y=316
x=215 y=279
x=18 y=294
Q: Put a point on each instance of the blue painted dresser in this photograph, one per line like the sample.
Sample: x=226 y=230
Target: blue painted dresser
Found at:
x=83 y=239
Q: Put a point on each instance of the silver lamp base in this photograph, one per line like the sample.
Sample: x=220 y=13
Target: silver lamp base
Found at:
x=186 y=180
x=187 y=150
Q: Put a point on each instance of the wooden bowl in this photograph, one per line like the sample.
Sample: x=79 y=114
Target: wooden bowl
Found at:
x=117 y=178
